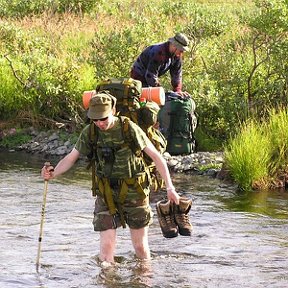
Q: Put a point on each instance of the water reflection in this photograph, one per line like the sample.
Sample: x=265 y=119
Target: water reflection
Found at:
x=271 y=203
x=235 y=235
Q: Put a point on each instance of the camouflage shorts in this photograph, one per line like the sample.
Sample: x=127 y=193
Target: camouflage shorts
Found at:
x=137 y=214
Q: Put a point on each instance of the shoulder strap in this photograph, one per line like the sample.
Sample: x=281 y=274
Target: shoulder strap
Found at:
x=126 y=132
x=93 y=138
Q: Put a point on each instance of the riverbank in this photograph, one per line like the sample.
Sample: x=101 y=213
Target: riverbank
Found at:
x=59 y=143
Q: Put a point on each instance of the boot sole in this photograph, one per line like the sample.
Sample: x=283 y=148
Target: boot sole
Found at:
x=172 y=235
x=185 y=232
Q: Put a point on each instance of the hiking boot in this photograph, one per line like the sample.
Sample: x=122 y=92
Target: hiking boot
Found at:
x=166 y=219
x=181 y=216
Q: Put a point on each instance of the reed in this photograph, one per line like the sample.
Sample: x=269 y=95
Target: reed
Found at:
x=276 y=130
x=248 y=156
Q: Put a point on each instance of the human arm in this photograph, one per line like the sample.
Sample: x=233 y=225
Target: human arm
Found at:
x=63 y=165
x=162 y=168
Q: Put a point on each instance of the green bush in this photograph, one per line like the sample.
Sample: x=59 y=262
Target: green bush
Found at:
x=277 y=132
x=22 y=8
x=259 y=152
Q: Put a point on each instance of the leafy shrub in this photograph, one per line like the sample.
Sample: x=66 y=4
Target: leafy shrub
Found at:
x=236 y=69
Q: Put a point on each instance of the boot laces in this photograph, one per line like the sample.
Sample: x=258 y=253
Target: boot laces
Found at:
x=183 y=218
x=167 y=220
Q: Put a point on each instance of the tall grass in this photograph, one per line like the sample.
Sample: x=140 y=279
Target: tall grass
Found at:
x=248 y=155
x=258 y=154
x=276 y=130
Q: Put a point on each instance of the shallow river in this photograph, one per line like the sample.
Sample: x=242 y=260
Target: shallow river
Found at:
x=238 y=240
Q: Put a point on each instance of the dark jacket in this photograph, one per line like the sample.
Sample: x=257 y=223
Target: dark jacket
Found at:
x=155 y=61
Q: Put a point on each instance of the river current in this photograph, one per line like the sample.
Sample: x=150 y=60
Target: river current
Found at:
x=238 y=240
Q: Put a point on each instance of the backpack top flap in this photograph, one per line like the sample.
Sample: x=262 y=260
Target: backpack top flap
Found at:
x=126 y=90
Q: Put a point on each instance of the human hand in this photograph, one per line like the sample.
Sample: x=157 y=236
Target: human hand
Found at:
x=47 y=171
x=172 y=195
x=184 y=94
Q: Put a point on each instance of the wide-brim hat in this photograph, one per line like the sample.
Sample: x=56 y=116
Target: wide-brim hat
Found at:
x=101 y=105
x=180 y=41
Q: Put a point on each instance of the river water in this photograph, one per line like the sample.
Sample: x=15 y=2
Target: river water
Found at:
x=238 y=240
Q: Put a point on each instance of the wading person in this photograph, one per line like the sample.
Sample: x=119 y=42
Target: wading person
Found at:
x=160 y=58
x=115 y=146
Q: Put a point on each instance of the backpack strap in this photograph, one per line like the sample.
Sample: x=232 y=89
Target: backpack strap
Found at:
x=127 y=136
x=93 y=138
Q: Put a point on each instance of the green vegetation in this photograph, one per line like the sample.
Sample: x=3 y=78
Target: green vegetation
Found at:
x=52 y=51
x=258 y=156
x=248 y=156
x=276 y=129
x=15 y=139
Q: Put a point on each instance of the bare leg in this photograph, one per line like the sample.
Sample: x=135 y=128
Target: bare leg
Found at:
x=139 y=239
x=107 y=245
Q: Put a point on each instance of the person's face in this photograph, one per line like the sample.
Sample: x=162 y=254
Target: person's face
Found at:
x=176 y=52
x=104 y=123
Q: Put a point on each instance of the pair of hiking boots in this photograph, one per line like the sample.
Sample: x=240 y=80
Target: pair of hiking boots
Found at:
x=174 y=219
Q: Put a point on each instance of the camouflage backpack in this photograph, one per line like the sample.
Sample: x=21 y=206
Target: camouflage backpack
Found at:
x=128 y=94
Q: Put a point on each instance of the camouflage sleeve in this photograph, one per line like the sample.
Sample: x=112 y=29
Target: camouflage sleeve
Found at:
x=82 y=144
x=139 y=136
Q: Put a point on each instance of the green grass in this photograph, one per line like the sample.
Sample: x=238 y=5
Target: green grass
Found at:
x=259 y=152
x=14 y=140
x=277 y=132
x=248 y=156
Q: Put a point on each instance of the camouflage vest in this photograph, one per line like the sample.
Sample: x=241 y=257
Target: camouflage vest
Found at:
x=115 y=153
x=115 y=160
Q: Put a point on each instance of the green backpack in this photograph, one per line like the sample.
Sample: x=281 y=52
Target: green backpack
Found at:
x=178 y=122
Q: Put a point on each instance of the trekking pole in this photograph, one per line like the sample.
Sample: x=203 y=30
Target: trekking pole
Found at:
x=47 y=164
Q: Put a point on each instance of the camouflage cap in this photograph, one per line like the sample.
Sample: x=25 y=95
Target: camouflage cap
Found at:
x=101 y=105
